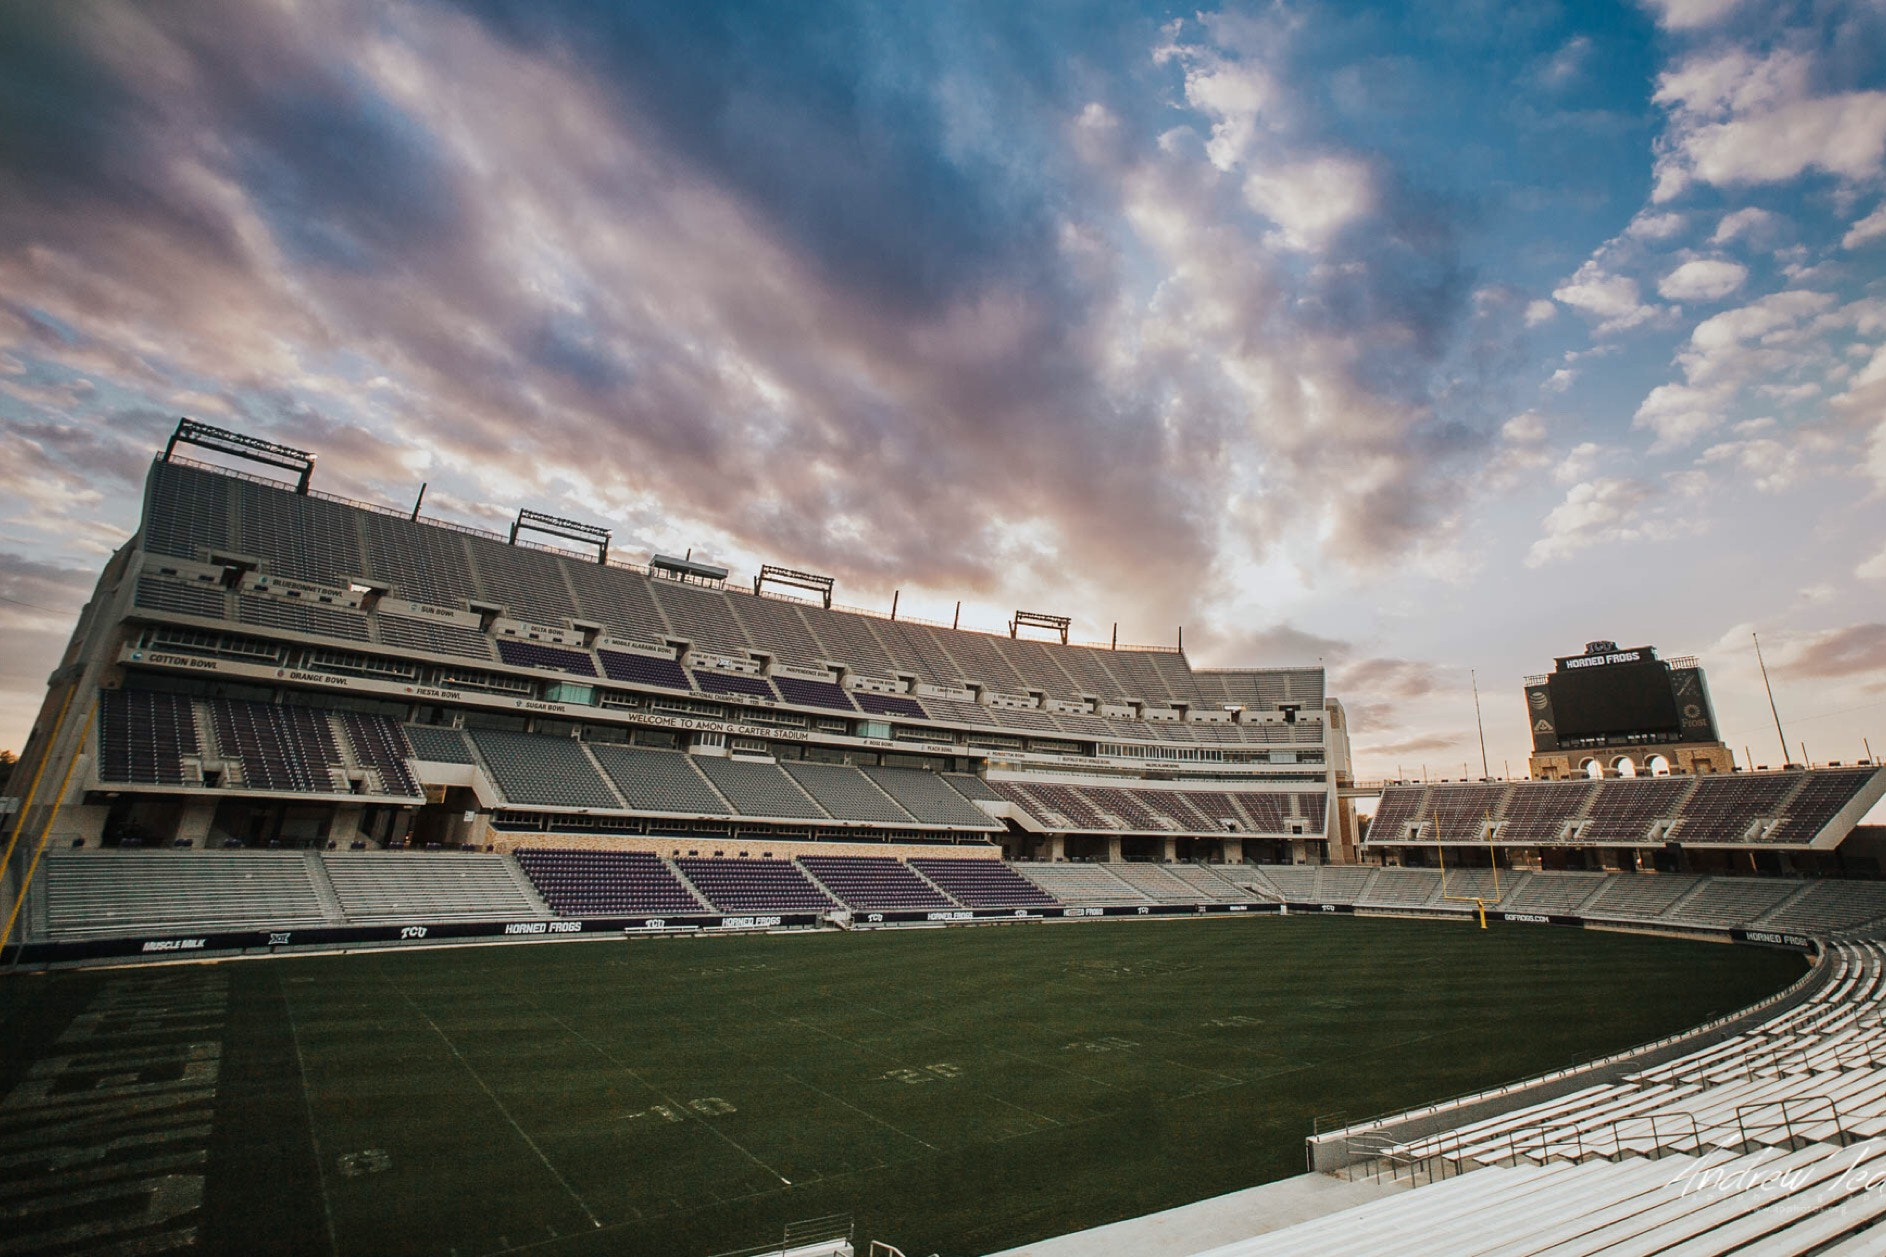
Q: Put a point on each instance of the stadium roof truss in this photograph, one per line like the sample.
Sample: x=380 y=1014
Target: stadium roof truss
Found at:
x=820 y=585
x=253 y=449
x=1057 y=624
x=567 y=529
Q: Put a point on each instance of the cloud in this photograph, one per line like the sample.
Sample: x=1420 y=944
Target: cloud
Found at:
x=1678 y=413
x=1613 y=301
x=1749 y=223
x=1702 y=279
x=1771 y=465
x=1312 y=200
x=1612 y=511
x=1853 y=650
x=1739 y=119
x=1868 y=229
x=1648 y=225
x=1873 y=568
x=1689 y=15
x=1540 y=312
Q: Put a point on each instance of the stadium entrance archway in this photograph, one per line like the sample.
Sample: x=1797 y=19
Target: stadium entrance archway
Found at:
x=1624 y=766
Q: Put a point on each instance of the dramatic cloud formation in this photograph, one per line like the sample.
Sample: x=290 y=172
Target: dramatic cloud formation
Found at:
x=1247 y=320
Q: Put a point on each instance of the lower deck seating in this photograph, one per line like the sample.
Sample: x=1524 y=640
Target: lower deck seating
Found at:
x=607 y=883
x=874 y=882
x=1083 y=883
x=87 y=894
x=427 y=886
x=754 y=885
x=978 y=883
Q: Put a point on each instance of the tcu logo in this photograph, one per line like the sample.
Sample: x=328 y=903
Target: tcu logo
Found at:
x=874 y=916
x=1141 y=911
x=412 y=931
x=656 y=924
x=278 y=940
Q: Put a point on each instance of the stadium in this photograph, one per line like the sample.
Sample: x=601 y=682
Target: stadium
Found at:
x=382 y=885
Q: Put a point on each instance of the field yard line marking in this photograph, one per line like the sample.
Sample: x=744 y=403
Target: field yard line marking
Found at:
x=855 y=1109
x=593 y=1046
x=307 y=1104
x=485 y=1087
x=1002 y=1051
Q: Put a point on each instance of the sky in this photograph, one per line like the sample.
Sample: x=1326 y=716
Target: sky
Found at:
x=1427 y=341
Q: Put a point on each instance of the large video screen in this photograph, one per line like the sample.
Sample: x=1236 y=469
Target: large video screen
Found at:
x=1613 y=700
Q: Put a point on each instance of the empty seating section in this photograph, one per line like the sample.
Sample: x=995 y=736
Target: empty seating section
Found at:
x=1785 y=1114
x=1154 y=881
x=1400 y=807
x=701 y=616
x=1208 y=884
x=1061 y=807
x=420 y=563
x=776 y=628
x=91 y=893
x=527 y=582
x=377 y=743
x=849 y=638
x=1556 y=892
x=981 y=661
x=846 y=793
x=1460 y=815
x=184 y=598
x=754 y=885
x=1791 y=808
x=887 y=704
x=186 y=510
x=277 y=748
x=1829 y=906
x=1622 y=811
x=302 y=617
x=542 y=771
x=1734 y=900
x=617 y=600
x=916 y=649
x=873 y=882
x=929 y=798
x=983 y=884
x=607 y=883
x=958 y=712
x=143 y=737
x=1296 y=883
x=711 y=681
x=298 y=535
x=1539 y=811
x=435 y=636
x=1722 y=809
x=644 y=670
x=412 y=886
x=757 y=789
x=441 y=746
x=805 y=693
x=1083 y=883
x=658 y=781
x=1638 y=896
x=1156 y=809
x=971 y=786
x=305 y=536
x=1819 y=799
x=552 y=658
x=1337 y=883
x=1403 y=888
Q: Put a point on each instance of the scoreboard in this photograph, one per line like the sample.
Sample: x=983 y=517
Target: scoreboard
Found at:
x=1609 y=695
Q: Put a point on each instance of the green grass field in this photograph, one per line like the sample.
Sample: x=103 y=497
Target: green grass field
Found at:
x=959 y=1091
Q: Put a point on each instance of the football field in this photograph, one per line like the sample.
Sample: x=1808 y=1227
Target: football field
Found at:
x=959 y=1091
